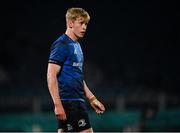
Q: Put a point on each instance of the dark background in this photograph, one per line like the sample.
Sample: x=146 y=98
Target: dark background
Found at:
x=131 y=47
x=133 y=42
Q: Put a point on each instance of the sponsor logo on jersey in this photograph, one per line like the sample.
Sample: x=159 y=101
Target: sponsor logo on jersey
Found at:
x=77 y=64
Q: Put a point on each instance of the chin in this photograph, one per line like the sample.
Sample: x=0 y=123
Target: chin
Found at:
x=81 y=36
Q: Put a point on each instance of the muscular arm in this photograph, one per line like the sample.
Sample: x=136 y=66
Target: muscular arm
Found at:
x=52 y=72
x=97 y=105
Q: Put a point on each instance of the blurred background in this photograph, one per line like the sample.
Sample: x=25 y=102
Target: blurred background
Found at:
x=131 y=63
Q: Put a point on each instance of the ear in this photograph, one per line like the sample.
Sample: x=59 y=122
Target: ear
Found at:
x=70 y=23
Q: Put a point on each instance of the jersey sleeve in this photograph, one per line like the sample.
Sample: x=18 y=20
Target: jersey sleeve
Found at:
x=58 y=54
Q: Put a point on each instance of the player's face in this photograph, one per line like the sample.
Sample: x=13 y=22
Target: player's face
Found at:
x=79 y=27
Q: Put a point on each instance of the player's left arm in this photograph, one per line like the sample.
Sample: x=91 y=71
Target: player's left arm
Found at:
x=96 y=104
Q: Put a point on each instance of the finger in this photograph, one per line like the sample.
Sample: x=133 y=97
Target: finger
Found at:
x=99 y=112
x=58 y=117
x=61 y=117
x=64 y=117
x=96 y=108
x=100 y=106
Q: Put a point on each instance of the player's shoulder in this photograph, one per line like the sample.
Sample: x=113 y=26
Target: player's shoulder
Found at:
x=59 y=43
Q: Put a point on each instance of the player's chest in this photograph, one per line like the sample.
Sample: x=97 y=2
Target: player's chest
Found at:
x=76 y=53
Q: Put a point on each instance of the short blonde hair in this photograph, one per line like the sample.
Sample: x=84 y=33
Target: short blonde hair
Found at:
x=75 y=12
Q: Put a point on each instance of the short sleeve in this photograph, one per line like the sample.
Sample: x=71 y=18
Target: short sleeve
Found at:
x=58 y=54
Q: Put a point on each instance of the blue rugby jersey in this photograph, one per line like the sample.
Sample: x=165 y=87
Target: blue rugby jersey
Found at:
x=68 y=54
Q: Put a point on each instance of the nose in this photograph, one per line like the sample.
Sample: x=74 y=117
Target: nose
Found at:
x=84 y=26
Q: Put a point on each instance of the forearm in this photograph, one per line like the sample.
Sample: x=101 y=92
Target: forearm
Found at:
x=87 y=91
x=53 y=89
x=97 y=105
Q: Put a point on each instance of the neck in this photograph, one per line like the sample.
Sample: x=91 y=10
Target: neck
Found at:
x=71 y=34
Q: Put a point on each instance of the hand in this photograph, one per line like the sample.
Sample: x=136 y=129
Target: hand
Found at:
x=97 y=105
x=60 y=113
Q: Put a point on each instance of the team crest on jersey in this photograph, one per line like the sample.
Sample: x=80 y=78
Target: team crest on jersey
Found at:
x=75 y=51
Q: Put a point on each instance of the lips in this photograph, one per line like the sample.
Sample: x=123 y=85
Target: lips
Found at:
x=83 y=32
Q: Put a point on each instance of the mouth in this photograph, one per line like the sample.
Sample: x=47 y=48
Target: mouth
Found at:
x=83 y=32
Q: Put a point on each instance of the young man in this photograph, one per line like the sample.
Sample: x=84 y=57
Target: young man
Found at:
x=65 y=76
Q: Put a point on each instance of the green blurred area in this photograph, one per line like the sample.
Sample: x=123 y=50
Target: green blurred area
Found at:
x=168 y=120
x=165 y=121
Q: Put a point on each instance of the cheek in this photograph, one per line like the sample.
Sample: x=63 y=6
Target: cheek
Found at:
x=77 y=28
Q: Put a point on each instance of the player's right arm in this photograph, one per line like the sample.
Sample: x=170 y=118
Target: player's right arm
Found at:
x=53 y=70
